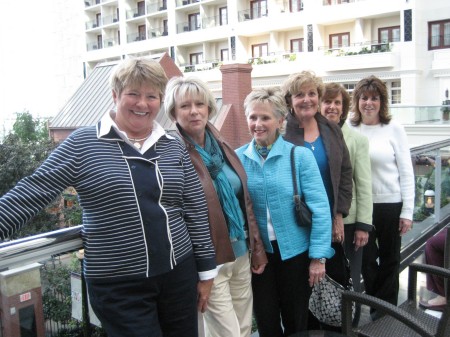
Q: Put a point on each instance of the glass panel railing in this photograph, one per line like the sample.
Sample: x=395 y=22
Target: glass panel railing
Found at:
x=41 y=287
x=438 y=114
x=41 y=283
x=431 y=164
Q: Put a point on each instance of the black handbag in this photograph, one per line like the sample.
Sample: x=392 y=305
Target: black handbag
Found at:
x=302 y=212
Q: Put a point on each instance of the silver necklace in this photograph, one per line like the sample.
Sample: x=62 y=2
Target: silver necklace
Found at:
x=313 y=143
x=137 y=141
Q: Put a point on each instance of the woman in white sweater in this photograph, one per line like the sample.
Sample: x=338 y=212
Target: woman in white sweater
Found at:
x=392 y=188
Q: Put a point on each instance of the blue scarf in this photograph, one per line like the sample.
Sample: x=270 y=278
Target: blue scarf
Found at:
x=213 y=159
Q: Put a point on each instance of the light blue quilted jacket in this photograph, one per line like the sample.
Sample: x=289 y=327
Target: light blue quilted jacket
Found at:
x=270 y=186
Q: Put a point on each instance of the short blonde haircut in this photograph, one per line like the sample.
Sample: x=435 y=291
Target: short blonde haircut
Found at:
x=179 y=87
x=267 y=95
x=295 y=82
x=135 y=72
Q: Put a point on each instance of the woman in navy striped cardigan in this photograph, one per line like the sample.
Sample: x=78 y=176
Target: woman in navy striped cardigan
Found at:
x=149 y=261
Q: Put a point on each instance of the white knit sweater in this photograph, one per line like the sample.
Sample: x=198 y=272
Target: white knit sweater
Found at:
x=392 y=171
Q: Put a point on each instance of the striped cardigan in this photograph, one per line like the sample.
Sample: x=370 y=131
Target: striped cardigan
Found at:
x=142 y=213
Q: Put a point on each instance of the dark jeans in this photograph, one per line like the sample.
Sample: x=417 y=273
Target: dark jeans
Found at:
x=164 y=305
x=381 y=278
x=281 y=295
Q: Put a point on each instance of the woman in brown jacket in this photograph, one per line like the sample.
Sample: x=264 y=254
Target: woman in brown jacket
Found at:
x=234 y=231
x=307 y=127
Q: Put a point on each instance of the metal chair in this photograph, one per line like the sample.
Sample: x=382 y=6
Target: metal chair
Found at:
x=406 y=320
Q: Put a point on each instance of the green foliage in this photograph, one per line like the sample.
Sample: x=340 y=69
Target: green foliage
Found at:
x=29 y=129
x=21 y=152
x=57 y=292
x=57 y=298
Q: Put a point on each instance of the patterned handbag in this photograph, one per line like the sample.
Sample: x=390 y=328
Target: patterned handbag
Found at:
x=326 y=297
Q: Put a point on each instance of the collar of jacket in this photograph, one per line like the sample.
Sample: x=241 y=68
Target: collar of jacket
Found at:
x=278 y=149
x=209 y=126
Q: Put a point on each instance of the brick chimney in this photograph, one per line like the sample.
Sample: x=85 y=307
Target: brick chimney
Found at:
x=236 y=85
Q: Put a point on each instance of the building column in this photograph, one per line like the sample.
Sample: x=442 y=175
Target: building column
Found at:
x=236 y=85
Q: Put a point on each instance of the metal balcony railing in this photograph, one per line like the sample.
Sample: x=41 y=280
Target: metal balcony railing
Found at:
x=249 y=14
x=157 y=32
x=25 y=264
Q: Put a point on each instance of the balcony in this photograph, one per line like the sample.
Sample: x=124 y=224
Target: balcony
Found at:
x=156 y=6
x=94 y=46
x=107 y=43
x=248 y=15
x=181 y=3
x=441 y=61
x=208 y=65
x=136 y=37
x=213 y=21
x=110 y=19
x=358 y=56
x=41 y=280
x=338 y=2
x=157 y=32
x=135 y=13
x=188 y=27
x=92 y=24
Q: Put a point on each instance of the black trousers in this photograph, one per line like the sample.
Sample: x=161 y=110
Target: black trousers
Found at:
x=160 y=306
x=354 y=257
x=381 y=255
x=281 y=295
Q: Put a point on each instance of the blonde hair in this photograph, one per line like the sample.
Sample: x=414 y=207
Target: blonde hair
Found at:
x=273 y=96
x=294 y=82
x=135 y=72
x=187 y=87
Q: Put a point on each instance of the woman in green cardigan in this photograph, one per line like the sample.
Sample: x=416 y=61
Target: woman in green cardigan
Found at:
x=335 y=106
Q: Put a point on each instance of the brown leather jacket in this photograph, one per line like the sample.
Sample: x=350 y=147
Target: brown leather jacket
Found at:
x=217 y=222
x=338 y=158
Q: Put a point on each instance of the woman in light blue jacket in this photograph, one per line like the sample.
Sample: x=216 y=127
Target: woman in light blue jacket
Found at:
x=296 y=254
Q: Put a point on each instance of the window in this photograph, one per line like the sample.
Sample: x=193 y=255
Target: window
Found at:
x=349 y=87
x=194 y=21
x=223 y=15
x=296 y=45
x=389 y=34
x=141 y=32
x=295 y=5
x=98 y=19
x=439 y=34
x=396 y=92
x=196 y=58
x=259 y=50
x=165 y=27
x=224 y=54
x=339 y=40
x=141 y=7
x=99 y=42
x=258 y=8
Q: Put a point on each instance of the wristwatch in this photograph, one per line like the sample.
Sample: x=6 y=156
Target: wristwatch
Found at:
x=322 y=260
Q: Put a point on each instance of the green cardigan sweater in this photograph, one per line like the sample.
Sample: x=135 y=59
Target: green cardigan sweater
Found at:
x=360 y=212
